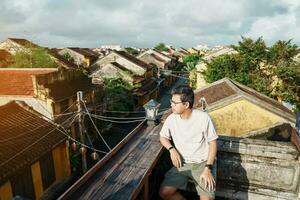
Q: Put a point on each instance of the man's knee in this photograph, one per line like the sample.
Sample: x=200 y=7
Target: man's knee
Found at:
x=166 y=191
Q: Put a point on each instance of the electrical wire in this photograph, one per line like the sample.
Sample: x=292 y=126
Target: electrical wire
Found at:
x=74 y=140
x=66 y=109
x=29 y=131
x=95 y=126
x=20 y=152
x=114 y=121
x=178 y=76
x=166 y=70
x=119 y=118
x=125 y=112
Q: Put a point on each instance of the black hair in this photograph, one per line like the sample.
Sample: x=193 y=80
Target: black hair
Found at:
x=186 y=94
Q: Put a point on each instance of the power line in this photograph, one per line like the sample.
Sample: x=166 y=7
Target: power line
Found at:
x=95 y=126
x=120 y=122
x=29 y=131
x=81 y=144
x=74 y=140
x=20 y=152
x=119 y=118
x=178 y=76
x=62 y=113
x=166 y=70
x=125 y=112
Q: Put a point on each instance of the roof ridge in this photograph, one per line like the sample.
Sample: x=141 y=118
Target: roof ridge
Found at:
x=133 y=59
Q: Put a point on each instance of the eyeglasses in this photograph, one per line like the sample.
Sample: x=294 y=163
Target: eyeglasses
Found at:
x=174 y=102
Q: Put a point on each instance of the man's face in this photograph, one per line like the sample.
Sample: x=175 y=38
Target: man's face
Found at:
x=178 y=107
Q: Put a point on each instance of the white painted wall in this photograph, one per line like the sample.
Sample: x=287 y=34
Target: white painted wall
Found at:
x=38 y=105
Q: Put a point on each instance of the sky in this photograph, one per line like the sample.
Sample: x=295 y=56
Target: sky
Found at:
x=140 y=23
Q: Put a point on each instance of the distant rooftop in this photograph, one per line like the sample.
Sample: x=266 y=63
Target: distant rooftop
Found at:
x=18 y=81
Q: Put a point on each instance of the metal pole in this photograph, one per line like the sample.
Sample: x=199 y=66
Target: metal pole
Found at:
x=80 y=125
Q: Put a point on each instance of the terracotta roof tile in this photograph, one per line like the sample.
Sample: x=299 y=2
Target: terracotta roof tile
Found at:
x=214 y=93
x=134 y=60
x=24 y=138
x=19 y=81
x=226 y=88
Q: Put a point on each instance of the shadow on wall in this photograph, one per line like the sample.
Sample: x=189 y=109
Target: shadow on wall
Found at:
x=232 y=179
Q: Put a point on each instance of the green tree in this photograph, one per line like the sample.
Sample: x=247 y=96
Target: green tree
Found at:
x=282 y=53
x=190 y=62
x=33 y=57
x=119 y=94
x=192 y=58
x=132 y=51
x=161 y=47
x=68 y=57
x=252 y=52
x=271 y=71
x=289 y=90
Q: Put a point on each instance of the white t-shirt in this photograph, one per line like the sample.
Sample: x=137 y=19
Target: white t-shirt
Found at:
x=190 y=136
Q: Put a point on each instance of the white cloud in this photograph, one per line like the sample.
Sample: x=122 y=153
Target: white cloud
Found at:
x=145 y=23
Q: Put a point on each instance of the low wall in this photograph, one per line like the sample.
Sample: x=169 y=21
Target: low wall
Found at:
x=257 y=169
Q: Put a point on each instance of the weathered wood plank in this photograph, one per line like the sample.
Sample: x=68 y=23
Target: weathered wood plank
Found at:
x=124 y=174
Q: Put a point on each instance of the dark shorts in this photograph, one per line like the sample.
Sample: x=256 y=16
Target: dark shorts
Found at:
x=189 y=172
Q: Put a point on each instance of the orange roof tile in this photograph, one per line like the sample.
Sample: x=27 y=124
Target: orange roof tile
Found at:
x=24 y=138
x=18 y=82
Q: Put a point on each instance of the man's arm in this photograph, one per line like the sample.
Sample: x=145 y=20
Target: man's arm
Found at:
x=212 y=152
x=206 y=175
x=175 y=156
x=165 y=142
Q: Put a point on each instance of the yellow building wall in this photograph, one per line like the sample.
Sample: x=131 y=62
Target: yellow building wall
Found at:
x=5 y=191
x=57 y=108
x=149 y=74
x=143 y=99
x=61 y=162
x=192 y=51
x=242 y=117
x=37 y=179
x=87 y=61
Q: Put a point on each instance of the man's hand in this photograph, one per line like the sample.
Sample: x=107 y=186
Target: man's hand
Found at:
x=208 y=179
x=176 y=158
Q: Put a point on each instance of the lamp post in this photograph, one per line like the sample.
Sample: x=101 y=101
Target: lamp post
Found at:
x=151 y=108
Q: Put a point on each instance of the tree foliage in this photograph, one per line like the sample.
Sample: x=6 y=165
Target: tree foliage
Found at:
x=190 y=62
x=269 y=70
x=161 y=47
x=118 y=92
x=33 y=57
x=132 y=51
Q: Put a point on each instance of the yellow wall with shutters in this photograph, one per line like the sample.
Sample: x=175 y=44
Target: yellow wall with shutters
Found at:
x=61 y=162
x=242 y=117
x=6 y=191
x=37 y=179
